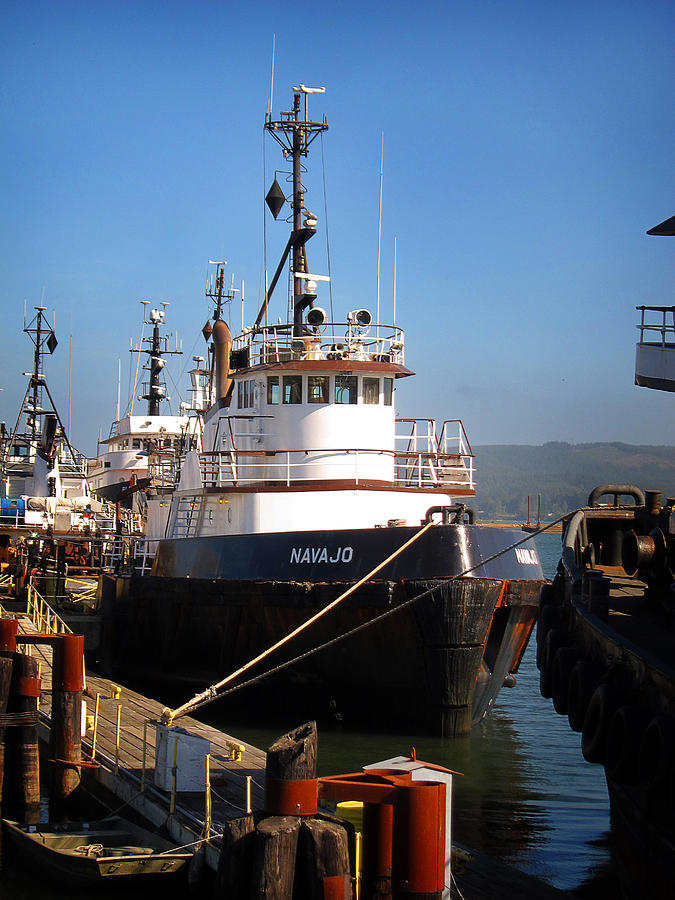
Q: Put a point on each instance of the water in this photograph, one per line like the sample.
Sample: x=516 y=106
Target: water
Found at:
x=526 y=794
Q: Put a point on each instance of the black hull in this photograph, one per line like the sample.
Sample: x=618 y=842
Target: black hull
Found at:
x=346 y=556
x=433 y=665
x=606 y=653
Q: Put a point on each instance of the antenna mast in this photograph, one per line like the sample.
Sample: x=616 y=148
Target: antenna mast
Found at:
x=295 y=134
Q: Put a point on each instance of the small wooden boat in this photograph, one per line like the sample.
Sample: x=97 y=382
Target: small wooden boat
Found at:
x=85 y=852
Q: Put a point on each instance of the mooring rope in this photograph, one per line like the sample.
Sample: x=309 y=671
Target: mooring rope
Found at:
x=376 y=619
x=211 y=693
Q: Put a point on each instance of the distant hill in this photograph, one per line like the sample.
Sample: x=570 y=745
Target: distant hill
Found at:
x=563 y=474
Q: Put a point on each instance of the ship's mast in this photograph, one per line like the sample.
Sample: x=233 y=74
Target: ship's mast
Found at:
x=295 y=134
x=156 y=351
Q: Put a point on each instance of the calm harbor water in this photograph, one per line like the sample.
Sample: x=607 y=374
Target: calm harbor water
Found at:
x=526 y=794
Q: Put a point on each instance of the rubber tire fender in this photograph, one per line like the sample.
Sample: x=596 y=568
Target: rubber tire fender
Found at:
x=626 y=728
x=603 y=704
x=582 y=682
x=551 y=617
x=555 y=638
x=563 y=662
x=657 y=753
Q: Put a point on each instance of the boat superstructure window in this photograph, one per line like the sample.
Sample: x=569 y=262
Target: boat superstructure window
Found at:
x=346 y=388
x=388 y=391
x=136 y=444
x=318 y=389
x=371 y=390
x=292 y=392
x=245 y=394
x=273 y=389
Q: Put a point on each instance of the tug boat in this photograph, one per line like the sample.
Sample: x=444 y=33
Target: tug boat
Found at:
x=136 y=464
x=606 y=643
x=307 y=482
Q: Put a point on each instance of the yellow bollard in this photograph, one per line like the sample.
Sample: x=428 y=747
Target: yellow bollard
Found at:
x=115 y=691
x=235 y=750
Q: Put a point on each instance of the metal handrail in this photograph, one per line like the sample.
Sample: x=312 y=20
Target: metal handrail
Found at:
x=662 y=328
x=423 y=468
x=335 y=340
x=42 y=615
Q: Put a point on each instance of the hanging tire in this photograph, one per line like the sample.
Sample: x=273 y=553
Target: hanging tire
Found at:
x=622 y=750
x=563 y=662
x=550 y=617
x=555 y=638
x=657 y=754
x=601 y=707
x=582 y=683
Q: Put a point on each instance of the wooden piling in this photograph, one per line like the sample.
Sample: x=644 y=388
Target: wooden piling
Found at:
x=5 y=682
x=21 y=787
x=290 y=850
x=275 y=851
x=235 y=863
x=322 y=866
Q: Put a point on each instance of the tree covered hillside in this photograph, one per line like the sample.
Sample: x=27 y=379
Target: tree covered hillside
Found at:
x=563 y=474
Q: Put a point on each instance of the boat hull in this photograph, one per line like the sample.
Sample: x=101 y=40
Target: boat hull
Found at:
x=605 y=653
x=107 y=850
x=416 y=648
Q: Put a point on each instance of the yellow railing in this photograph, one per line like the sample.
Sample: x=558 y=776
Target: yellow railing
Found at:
x=45 y=619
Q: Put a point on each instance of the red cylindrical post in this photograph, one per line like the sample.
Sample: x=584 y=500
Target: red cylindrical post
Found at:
x=8 y=631
x=419 y=840
x=66 y=733
x=377 y=849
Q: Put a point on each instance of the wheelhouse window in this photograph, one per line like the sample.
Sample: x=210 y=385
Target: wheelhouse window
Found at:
x=388 y=391
x=346 y=388
x=272 y=389
x=317 y=389
x=292 y=389
x=371 y=390
x=245 y=394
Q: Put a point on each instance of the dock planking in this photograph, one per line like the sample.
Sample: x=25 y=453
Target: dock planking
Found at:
x=138 y=714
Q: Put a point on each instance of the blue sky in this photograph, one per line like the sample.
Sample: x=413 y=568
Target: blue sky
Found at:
x=527 y=149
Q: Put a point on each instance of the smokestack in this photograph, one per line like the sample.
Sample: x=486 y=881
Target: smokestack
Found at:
x=222 y=342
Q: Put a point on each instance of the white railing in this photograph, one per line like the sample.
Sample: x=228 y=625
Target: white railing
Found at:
x=408 y=468
x=333 y=340
x=656 y=330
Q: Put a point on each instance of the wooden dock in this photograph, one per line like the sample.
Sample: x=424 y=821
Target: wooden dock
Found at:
x=117 y=757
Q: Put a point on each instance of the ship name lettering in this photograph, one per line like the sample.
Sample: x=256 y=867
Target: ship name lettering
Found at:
x=527 y=557
x=320 y=555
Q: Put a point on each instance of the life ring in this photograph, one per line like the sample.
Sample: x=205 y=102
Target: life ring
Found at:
x=563 y=662
x=555 y=638
x=657 y=753
x=601 y=708
x=582 y=682
x=622 y=750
